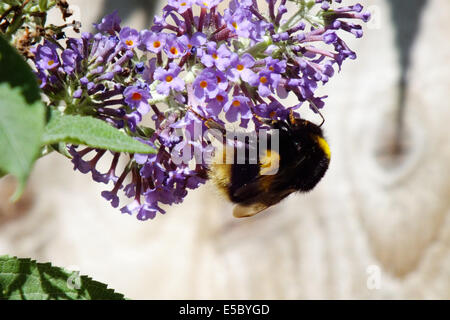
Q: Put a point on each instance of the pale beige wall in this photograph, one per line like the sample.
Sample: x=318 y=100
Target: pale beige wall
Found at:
x=318 y=245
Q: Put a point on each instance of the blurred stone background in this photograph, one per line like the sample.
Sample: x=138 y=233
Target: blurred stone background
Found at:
x=377 y=226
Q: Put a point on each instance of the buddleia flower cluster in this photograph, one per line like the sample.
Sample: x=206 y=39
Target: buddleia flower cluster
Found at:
x=196 y=62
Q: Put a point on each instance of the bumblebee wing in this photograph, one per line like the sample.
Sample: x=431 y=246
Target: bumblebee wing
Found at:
x=254 y=190
x=260 y=194
x=256 y=197
x=244 y=211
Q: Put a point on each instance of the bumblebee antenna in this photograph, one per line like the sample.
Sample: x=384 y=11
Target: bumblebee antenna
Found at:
x=317 y=111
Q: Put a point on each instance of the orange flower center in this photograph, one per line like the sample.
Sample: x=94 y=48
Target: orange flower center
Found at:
x=218 y=79
x=169 y=78
x=203 y=84
x=235 y=25
x=240 y=67
x=156 y=44
x=136 y=96
x=271 y=68
x=263 y=80
x=183 y=4
x=51 y=62
x=214 y=55
x=236 y=103
x=173 y=50
x=220 y=98
x=272 y=114
x=129 y=42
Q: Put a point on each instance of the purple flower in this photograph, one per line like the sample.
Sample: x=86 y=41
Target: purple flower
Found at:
x=173 y=47
x=137 y=98
x=104 y=48
x=149 y=71
x=110 y=23
x=112 y=197
x=241 y=68
x=132 y=207
x=148 y=211
x=111 y=174
x=325 y=6
x=239 y=19
x=41 y=78
x=46 y=56
x=185 y=177
x=78 y=162
x=163 y=194
x=193 y=180
x=206 y=85
x=208 y=4
x=222 y=81
x=330 y=37
x=190 y=123
x=90 y=166
x=355 y=29
x=235 y=5
x=151 y=41
x=129 y=38
x=237 y=105
x=79 y=45
x=169 y=79
x=70 y=59
x=213 y=57
x=304 y=88
x=180 y=5
x=215 y=106
x=275 y=65
x=197 y=40
x=266 y=81
x=274 y=110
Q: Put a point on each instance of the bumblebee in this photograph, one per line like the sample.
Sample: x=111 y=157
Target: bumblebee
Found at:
x=300 y=161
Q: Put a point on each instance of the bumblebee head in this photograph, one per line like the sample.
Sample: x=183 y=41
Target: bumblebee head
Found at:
x=303 y=133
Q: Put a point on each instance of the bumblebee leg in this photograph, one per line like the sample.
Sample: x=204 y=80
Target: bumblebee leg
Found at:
x=198 y=115
x=291 y=117
x=317 y=111
x=261 y=120
x=209 y=122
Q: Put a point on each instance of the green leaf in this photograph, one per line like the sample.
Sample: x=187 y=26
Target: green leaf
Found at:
x=25 y=279
x=21 y=115
x=91 y=132
x=43 y=5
